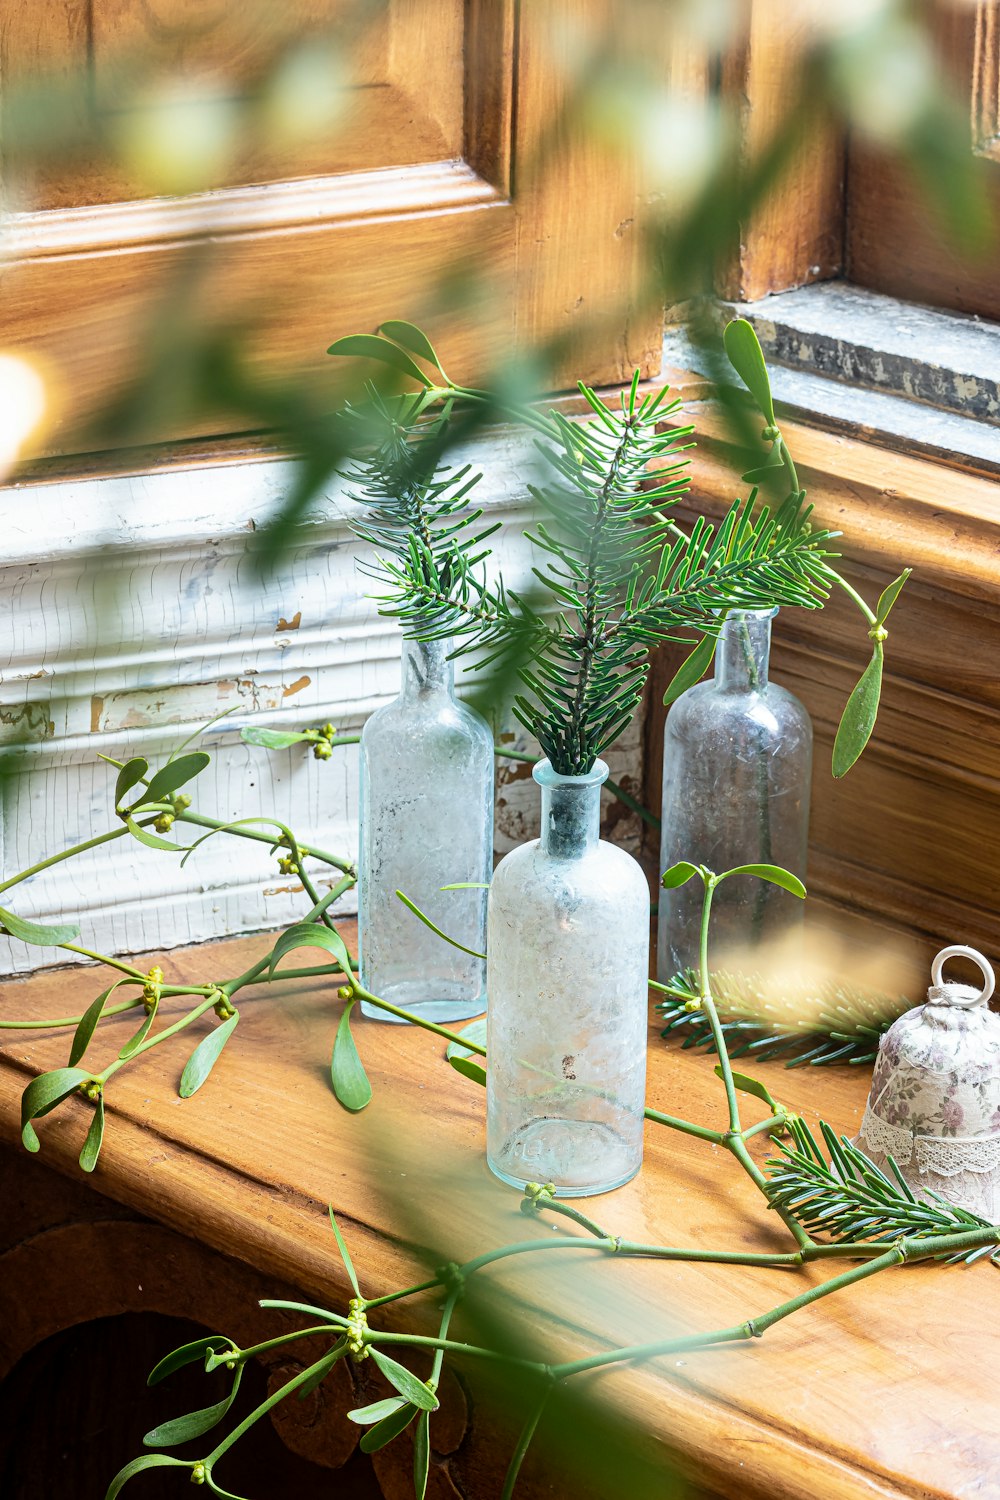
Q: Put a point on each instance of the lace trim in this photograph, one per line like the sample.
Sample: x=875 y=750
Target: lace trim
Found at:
x=945 y=1156
x=888 y=1140
x=948 y=1157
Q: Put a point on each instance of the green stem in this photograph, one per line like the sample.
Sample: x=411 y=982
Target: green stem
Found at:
x=54 y=859
x=737 y=1145
x=112 y=1010
x=256 y=970
x=154 y=1041
x=313 y=895
x=451 y=1301
x=567 y=1211
x=708 y=1006
x=524 y=1442
x=528 y=1247
x=717 y=1137
x=360 y=993
x=284 y=1338
x=408 y=1291
x=752 y=1328
x=321 y=971
x=101 y=958
x=868 y=613
x=328 y=1359
x=256 y=835
x=423 y=1341
x=789 y=463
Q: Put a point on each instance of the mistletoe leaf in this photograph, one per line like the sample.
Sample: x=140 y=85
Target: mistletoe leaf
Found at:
x=475 y=1033
x=35 y=932
x=747 y=359
x=390 y=1427
x=310 y=935
x=137 y=1466
x=274 y=739
x=406 y=1383
x=195 y=1423
x=187 y=1354
x=421 y=1454
x=43 y=1094
x=692 y=669
x=678 y=874
x=174 y=774
x=860 y=713
x=129 y=776
x=139 y=1035
x=150 y=839
x=469 y=1069
x=347 y=1071
x=371 y=346
x=204 y=1057
x=413 y=338
x=889 y=595
x=95 y=1139
x=367 y=1416
x=748 y=1085
x=773 y=874
x=345 y=1254
x=87 y=1024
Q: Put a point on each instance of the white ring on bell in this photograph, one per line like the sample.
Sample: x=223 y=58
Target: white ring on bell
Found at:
x=959 y=950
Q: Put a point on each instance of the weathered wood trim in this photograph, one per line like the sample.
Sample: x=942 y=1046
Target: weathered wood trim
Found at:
x=389 y=192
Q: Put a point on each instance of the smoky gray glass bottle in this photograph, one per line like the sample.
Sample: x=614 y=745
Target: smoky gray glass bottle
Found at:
x=737 y=765
x=426 y=822
x=567 y=980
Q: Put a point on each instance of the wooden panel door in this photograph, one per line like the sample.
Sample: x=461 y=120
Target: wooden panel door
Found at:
x=894 y=243
x=298 y=235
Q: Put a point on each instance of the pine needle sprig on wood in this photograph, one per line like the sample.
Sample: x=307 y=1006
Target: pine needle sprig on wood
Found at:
x=844 y=1025
x=845 y=1197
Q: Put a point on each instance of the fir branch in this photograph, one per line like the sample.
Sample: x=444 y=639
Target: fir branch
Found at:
x=419 y=518
x=847 y=1199
x=842 y=1024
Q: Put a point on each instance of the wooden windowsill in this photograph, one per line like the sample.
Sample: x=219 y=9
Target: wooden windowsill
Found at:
x=847 y=1400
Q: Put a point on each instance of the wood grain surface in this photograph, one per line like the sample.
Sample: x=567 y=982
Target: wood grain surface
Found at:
x=405 y=206
x=885 y=1391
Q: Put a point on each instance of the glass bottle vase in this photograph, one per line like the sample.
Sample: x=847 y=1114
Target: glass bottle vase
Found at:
x=567 y=979
x=737 y=762
x=426 y=812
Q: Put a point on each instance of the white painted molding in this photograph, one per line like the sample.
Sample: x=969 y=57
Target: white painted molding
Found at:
x=135 y=615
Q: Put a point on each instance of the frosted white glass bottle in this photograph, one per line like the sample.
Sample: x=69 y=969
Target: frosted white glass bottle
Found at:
x=567 y=975
x=737 y=765
x=426 y=821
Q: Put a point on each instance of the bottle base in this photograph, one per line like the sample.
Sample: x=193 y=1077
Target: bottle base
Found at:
x=440 y=1011
x=581 y=1158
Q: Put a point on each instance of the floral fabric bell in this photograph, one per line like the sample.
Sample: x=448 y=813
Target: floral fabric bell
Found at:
x=934 y=1104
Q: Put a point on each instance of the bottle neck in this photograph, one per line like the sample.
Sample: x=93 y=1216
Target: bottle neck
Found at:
x=571 y=810
x=426 y=669
x=741 y=657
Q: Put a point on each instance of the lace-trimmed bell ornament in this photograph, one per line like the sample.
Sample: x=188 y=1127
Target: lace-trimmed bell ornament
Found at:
x=934 y=1104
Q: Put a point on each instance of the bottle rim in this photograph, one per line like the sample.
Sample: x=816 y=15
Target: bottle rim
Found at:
x=545 y=775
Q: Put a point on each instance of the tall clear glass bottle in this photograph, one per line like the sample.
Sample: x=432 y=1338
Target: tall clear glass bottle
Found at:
x=567 y=979
x=737 y=764
x=426 y=822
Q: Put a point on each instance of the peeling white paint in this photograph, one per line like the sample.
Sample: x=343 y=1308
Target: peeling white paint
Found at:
x=134 y=615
